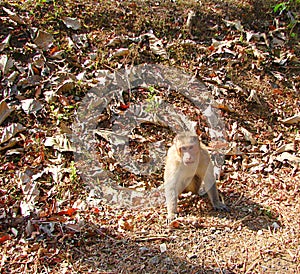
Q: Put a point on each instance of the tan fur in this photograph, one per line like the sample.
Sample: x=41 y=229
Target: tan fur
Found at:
x=188 y=166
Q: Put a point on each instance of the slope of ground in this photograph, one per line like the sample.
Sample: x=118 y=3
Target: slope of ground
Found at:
x=53 y=52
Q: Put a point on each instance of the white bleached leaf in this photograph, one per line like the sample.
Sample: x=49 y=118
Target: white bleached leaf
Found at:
x=6 y=63
x=30 y=191
x=237 y=24
x=10 y=131
x=248 y=136
x=253 y=97
x=57 y=172
x=286 y=156
x=49 y=96
x=157 y=46
x=30 y=106
x=120 y=52
x=72 y=23
x=59 y=142
x=163 y=247
x=292 y=120
x=286 y=147
x=14 y=17
x=5 y=43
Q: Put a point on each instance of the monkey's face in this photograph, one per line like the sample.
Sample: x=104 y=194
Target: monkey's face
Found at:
x=189 y=153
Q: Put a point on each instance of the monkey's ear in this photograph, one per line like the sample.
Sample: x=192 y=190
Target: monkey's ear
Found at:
x=175 y=140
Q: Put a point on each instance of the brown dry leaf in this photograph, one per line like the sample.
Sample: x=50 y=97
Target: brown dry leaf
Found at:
x=43 y=40
x=175 y=224
x=224 y=107
x=125 y=225
x=5 y=111
x=286 y=147
x=65 y=86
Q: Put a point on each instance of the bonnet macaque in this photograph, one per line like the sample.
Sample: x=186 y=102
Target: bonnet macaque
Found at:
x=188 y=166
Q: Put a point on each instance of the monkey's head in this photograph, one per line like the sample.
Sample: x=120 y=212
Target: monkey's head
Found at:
x=188 y=148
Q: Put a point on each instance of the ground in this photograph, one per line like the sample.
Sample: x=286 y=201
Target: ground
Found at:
x=52 y=53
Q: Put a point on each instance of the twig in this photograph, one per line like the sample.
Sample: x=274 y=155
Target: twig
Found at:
x=217 y=262
x=152 y=238
x=251 y=267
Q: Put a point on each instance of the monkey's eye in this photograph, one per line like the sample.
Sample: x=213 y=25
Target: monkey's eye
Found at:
x=186 y=148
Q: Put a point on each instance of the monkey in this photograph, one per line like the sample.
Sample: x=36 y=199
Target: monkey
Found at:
x=188 y=167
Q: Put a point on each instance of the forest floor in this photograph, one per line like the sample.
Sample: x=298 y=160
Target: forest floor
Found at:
x=52 y=53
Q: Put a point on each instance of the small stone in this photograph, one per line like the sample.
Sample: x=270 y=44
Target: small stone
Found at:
x=154 y=260
x=213 y=229
x=143 y=249
x=275 y=225
x=192 y=256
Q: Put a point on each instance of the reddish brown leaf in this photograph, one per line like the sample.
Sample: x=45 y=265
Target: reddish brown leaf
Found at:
x=69 y=212
x=4 y=238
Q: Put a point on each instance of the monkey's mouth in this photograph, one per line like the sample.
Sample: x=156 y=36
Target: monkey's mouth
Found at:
x=187 y=163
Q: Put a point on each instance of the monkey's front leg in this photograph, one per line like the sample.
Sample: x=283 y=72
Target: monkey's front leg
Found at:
x=171 y=199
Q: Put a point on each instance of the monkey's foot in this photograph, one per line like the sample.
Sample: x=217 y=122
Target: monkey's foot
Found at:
x=222 y=207
x=171 y=218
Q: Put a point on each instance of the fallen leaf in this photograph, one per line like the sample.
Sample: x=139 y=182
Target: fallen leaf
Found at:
x=125 y=225
x=292 y=120
x=174 y=224
x=4 y=238
x=65 y=86
x=43 y=40
x=5 y=111
x=163 y=247
x=157 y=46
x=70 y=212
x=120 y=52
x=5 y=43
x=10 y=131
x=6 y=63
x=59 y=142
x=14 y=17
x=286 y=156
x=72 y=23
x=248 y=136
x=286 y=147
x=31 y=106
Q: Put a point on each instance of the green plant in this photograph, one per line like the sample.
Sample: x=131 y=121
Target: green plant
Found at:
x=73 y=172
x=152 y=100
x=291 y=9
